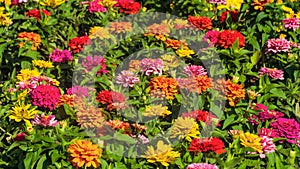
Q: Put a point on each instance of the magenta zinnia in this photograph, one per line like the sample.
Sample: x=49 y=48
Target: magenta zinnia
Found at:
x=45 y=96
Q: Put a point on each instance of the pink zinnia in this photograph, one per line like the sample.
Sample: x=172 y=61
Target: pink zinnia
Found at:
x=127 y=78
x=149 y=66
x=277 y=45
x=291 y=23
x=194 y=70
x=212 y=36
x=268 y=146
x=90 y=62
x=94 y=6
x=272 y=72
x=45 y=96
x=61 y=56
x=266 y=132
x=46 y=121
x=34 y=81
x=269 y=115
x=78 y=91
x=286 y=128
x=201 y=166
x=217 y=2
x=142 y=138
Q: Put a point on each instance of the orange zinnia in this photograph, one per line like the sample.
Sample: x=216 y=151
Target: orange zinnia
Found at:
x=259 y=4
x=168 y=85
x=31 y=37
x=196 y=84
x=86 y=153
x=90 y=117
x=66 y=99
x=233 y=92
x=175 y=44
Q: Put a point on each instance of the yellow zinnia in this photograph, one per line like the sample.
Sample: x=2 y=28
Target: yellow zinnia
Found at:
x=156 y=110
x=22 y=112
x=185 y=52
x=51 y=3
x=108 y=3
x=162 y=154
x=170 y=61
x=99 y=32
x=25 y=74
x=4 y=18
x=251 y=140
x=42 y=64
x=231 y=4
x=185 y=128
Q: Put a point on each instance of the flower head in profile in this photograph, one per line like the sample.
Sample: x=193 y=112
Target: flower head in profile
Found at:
x=85 y=153
x=36 y=13
x=42 y=64
x=156 y=110
x=45 y=121
x=277 y=45
x=202 y=166
x=23 y=112
x=272 y=72
x=185 y=53
x=259 y=4
x=127 y=78
x=194 y=70
x=163 y=153
x=185 y=127
x=95 y=6
x=120 y=27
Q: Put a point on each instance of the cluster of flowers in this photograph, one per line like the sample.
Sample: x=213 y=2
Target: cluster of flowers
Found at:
x=125 y=6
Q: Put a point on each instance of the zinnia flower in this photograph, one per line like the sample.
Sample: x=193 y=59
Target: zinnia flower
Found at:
x=226 y=39
x=259 y=4
x=95 y=6
x=206 y=145
x=45 y=96
x=157 y=29
x=4 y=17
x=217 y=2
x=42 y=64
x=129 y=6
x=198 y=84
x=277 y=45
x=169 y=61
x=20 y=137
x=167 y=85
x=66 y=99
x=85 y=153
x=89 y=116
x=286 y=128
x=151 y=66
x=61 y=56
x=233 y=15
x=162 y=154
x=25 y=74
x=45 y=121
x=127 y=78
x=23 y=112
x=185 y=52
x=251 y=140
x=194 y=70
x=99 y=32
x=291 y=23
x=51 y=3
x=77 y=44
x=201 y=22
x=120 y=27
x=212 y=36
x=36 y=13
x=156 y=110
x=90 y=62
x=201 y=166
x=268 y=146
x=120 y=125
x=33 y=38
x=274 y=73
x=185 y=127
x=78 y=91
x=200 y=115
x=111 y=99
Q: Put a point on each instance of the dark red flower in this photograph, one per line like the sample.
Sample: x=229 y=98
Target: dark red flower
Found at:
x=129 y=6
x=113 y=100
x=20 y=137
x=206 y=145
x=201 y=22
x=36 y=13
x=228 y=37
x=77 y=44
x=233 y=15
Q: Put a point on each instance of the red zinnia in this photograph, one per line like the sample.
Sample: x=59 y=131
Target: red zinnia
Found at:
x=228 y=37
x=36 y=13
x=206 y=145
x=201 y=22
x=112 y=99
x=233 y=15
x=77 y=44
x=129 y=6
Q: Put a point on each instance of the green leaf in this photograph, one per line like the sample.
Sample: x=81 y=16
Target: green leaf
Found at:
x=277 y=92
x=255 y=57
x=260 y=16
x=228 y=121
x=41 y=162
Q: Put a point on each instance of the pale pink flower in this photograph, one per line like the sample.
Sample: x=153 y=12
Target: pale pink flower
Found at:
x=272 y=72
x=277 y=45
x=201 y=166
x=45 y=121
x=217 y=2
x=268 y=146
x=149 y=66
x=194 y=70
x=127 y=78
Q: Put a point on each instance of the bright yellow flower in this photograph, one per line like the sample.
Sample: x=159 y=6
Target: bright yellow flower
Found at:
x=4 y=17
x=99 y=32
x=162 y=154
x=156 y=110
x=231 y=4
x=251 y=140
x=6 y=2
x=252 y=94
x=185 y=128
x=298 y=15
x=42 y=64
x=86 y=153
x=51 y=3
x=22 y=112
x=25 y=74
x=185 y=52
x=108 y=3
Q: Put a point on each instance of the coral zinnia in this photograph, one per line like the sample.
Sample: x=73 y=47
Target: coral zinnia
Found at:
x=226 y=39
x=86 y=153
x=201 y=22
x=168 y=85
x=120 y=27
x=162 y=154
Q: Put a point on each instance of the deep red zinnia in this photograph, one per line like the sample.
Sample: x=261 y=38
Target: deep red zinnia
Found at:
x=233 y=16
x=129 y=6
x=77 y=44
x=36 y=13
x=206 y=145
x=110 y=98
x=228 y=37
x=201 y=22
